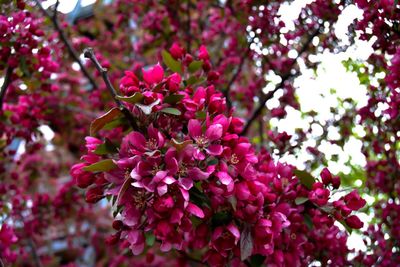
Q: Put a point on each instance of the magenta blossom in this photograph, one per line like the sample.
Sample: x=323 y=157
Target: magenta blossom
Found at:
x=207 y=142
x=153 y=74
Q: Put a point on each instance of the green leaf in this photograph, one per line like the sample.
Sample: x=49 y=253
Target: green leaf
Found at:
x=150 y=238
x=201 y=115
x=246 y=243
x=305 y=178
x=173 y=99
x=195 y=65
x=193 y=80
x=220 y=218
x=148 y=108
x=24 y=67
x=308 y=221
x=173 y=111
x=198 y=197
x=171 y=63
x=300 y=200
x=101 y=166
x=212 y=161
x=257 y=260
x=99 y=123
x=106 y=148
x=122 y=190
x=114 y=124
x=133 y=99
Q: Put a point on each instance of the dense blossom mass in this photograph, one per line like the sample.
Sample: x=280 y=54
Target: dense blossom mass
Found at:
x=187 y=178
x=156 y=147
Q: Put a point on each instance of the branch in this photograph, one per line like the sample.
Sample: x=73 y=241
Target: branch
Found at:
x=261 y=130
x=6 y=83
x=54 y=17
x=190 y=258
x=88 y=53
x=236 y=75
x=71 y=50
x=189 y=35
x=284 y=78
x=36 y=257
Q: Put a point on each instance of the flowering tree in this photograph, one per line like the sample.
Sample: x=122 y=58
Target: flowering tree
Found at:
x=163 y=151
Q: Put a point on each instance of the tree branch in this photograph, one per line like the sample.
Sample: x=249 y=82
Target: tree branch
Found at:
x=71 y=50
x=36 y=257
x=6 y=83
x=188 y=32
x=284 y=78
x=54 y=17
x=236 y=75
x=88 y=53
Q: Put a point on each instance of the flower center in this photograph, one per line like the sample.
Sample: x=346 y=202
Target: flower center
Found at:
x=151 y=144
x=182 y=170
x=225 y=235
x=293 y=236
x=234 y=159
x=201 y=141
x=140 y=199
x=155 y=169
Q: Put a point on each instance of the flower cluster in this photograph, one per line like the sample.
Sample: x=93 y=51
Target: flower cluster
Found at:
x=187 y=179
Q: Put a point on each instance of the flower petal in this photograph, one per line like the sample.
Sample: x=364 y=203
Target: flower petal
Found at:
x=214 y=132
x=194 y=210
x=153 y=75
x=194 y=128
x=215 y=150
x=224 y=178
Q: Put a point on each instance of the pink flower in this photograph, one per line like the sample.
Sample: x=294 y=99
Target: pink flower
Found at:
x=176 y=50
x=203 y=53
x=354 y=222
x=241 y=159
x=174 y=82
x=92 y=143
x=319 y=195
x=225 y=238
x=136 y=240
x=7 y=239
x=204 y=142
x=153 y=74
x=129 y=84
x=326 y=176
x=83 y=178
x=354 y=201
x=136 y=144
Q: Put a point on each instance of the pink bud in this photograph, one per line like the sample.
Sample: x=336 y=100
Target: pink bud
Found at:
x=203 y=53
x=354 y=222
x=176 y=50
x=326 y=176
x=153 y=75
x=174 y=82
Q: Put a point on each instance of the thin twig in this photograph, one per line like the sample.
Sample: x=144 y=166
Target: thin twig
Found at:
x=71 y=50
x=236 y=75
x=284 y=78
x=54 y=17
x=36 y=257
x=88 y=53
x=261 y=130
x=190 y=258
x=6 y=83
x=189 y=34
